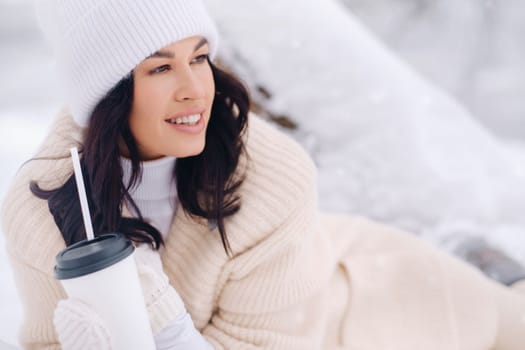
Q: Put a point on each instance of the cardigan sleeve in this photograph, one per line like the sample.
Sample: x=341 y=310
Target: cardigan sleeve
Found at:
x=32 y=238
x=32 y=244
x=39 y=294
x=276 y=299
x=274 y=296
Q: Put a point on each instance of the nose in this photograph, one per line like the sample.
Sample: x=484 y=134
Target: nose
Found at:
x=188 y=85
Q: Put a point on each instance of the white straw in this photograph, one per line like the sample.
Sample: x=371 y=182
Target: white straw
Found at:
x=82 y=193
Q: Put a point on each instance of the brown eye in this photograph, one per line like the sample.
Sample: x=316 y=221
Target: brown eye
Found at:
x=160 y=69
x=200 y=59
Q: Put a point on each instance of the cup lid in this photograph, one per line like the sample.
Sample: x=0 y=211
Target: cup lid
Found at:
x=89 y=256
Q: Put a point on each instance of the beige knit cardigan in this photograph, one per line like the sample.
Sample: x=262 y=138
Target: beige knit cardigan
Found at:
x=297 y=280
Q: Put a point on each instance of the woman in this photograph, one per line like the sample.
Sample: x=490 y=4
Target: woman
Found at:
x=222 y=208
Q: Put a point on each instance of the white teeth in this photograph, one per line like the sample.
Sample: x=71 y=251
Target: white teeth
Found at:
x=194 y=118
x=189 y=120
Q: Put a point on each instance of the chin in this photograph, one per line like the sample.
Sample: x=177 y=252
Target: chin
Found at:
x=191 y=151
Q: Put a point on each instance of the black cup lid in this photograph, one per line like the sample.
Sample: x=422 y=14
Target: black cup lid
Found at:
x=86 y=257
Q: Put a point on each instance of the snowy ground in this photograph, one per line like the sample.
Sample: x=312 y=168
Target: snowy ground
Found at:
x=389 y=145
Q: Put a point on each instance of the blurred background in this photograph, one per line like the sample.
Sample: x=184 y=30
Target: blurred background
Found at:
x=461 y=64
x=470 y=48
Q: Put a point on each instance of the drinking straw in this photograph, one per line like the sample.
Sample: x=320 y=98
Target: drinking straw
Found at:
x=82 y=193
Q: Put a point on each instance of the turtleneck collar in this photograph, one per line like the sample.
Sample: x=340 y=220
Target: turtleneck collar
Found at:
x=157 y=179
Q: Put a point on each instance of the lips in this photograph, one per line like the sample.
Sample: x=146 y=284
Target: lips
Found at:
x=186 y=120
x=189 y=115
x=189 y=122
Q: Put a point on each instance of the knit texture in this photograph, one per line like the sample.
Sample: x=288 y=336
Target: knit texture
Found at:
x=162 y=301
x=79 y=327
x=99 y=42
x=296 y=280
x=264 y=234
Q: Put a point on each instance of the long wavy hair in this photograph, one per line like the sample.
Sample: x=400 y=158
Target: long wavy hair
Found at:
x=206 y=185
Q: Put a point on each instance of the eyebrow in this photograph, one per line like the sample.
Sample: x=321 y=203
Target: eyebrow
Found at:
x=169 y=54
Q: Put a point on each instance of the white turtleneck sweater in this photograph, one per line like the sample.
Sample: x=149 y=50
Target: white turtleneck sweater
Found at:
x=156 y=197
x=156 y=193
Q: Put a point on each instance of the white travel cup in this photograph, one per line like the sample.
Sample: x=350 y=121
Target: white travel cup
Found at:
x=102 y=273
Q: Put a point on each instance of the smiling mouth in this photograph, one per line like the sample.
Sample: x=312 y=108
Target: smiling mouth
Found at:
x=186 y=120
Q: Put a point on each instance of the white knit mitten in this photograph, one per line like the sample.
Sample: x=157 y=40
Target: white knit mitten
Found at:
x=79 y=327
x=163 y=302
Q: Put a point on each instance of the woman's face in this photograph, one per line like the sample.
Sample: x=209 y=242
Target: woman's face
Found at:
x=173 y=96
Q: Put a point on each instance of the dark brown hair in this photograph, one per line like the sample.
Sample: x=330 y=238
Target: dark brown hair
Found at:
x=206 y=184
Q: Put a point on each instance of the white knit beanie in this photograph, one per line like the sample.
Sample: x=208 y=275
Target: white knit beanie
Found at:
x=98 y=42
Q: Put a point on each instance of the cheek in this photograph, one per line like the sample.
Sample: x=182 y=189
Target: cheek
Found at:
x=210 y=91
x=207 y=81
x=136 y=126
x=143 y=108
x=212 y=88
x=144 y=97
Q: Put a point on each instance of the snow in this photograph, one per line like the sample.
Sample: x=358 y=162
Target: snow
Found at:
x=421 y=130
x=471 y=48
x=389 y=144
